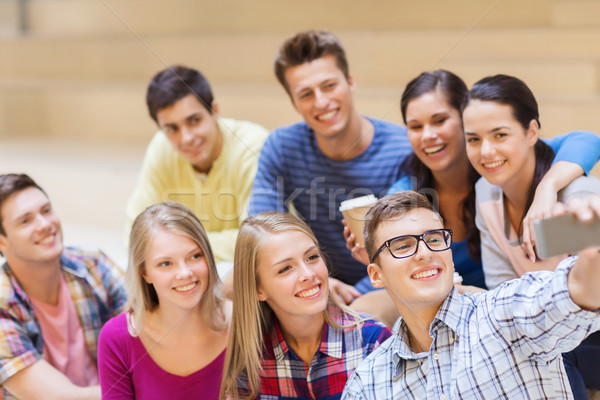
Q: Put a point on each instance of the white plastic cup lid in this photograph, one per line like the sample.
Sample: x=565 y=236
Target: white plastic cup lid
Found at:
x=357 y=202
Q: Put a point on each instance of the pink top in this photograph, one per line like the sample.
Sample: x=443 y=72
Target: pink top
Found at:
x=127 y=371
x=64 y=346
x=501 y=253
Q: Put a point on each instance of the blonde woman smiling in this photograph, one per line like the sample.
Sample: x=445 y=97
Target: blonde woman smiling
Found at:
x=290 y=337
x=171 y=342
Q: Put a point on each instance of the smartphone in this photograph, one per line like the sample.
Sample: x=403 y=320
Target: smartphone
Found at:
x=565 y=235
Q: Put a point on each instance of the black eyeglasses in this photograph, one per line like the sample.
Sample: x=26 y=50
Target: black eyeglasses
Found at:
x=406 y=245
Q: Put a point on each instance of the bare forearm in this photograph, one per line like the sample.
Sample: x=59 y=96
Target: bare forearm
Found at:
x=584 y=278
x=42 y=381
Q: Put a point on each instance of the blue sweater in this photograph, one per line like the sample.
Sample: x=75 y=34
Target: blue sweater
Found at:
x=292 y=169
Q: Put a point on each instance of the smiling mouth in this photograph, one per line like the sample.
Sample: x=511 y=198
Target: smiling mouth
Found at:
x=492 y=165
x=326 y=116
x=309 y=292
x=426 y=274
x=47 y=240
x=434 y=149
x=186 y=288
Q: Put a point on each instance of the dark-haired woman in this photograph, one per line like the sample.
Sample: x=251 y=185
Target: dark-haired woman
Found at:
x=431 y=108
x=501 y=123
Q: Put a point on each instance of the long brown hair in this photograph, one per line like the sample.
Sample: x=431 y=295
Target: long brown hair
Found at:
x=513 y=92
x=455 y=91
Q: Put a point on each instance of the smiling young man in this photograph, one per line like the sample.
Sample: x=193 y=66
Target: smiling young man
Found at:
x=334 y=154
x=197 y=158
x=53 y=300
x=504 y=343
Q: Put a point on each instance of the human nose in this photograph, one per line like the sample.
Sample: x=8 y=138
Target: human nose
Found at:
x=306 y=273
x=43 y=223
x=187 y=135
x=429 y=133
x=422 y=251
x=183 y=271
x=321 y=99
x=487 y=148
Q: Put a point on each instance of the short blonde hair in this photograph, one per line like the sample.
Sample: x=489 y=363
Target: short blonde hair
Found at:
x=252 y=317
x=178 y=219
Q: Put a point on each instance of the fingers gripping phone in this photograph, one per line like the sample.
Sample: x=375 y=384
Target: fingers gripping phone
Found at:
x=565 y=234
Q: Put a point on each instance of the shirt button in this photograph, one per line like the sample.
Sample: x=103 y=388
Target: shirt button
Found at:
x=442 y=397
x=451 y=340
x=436 y=357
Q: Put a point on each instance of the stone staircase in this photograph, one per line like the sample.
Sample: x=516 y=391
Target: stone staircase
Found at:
x=72 y=86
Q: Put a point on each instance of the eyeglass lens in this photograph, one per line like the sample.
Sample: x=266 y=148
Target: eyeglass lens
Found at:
x=406 y=245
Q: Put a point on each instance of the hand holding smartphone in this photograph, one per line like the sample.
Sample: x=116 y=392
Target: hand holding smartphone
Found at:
x=565 y=234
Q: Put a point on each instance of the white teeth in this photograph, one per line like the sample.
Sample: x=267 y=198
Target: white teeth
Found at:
x=493 y=164
x=310 y=292
x=46 y=240
x=434 y=149
x=186 y=287
x=327 y=116
x=425 y=274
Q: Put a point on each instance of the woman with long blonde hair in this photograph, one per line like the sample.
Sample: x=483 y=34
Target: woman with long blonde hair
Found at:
x=171 y=341
x=290 y=337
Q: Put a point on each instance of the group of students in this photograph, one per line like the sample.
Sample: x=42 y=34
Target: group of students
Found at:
x=282 y=327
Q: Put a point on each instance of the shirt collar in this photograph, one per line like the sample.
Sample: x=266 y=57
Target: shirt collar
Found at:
x=72 y=266
x=449 y=314
x=331 y=337
x=68 y=265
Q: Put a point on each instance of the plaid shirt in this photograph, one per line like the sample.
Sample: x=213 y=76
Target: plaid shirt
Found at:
x=96 y=287
x=286 y=376
x=505 y=343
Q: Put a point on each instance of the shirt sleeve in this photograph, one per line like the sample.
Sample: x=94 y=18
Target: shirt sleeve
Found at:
x=354 y=389
x=17 y=351
x=579 y=147
x=373 y=333
x=113 y=368
x=536 y=313
x=497 y=268
x=151 y=183
x=400 y=185
x=268 y=190
x=112 y=280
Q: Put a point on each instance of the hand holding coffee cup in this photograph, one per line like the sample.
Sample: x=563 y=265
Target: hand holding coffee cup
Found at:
x=354 y=211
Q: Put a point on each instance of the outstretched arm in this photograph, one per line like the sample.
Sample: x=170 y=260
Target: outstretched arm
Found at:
x=584 y=277
x=576 y=153
x=42 y=381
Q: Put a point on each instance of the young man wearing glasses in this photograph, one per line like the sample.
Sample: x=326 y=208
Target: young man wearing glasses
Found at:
x=505 y=343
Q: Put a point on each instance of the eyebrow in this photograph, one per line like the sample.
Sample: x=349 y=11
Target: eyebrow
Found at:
x=28 y=213
x=303 y=89
x=290 y=258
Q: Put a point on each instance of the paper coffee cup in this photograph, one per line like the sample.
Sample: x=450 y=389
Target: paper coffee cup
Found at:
x=457 y=278
x=354 y=211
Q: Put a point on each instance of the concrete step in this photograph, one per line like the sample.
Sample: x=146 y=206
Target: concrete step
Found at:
x=75 y=17
x=88 y=182
x=555 y=61
x=117 y=112
x=576 y=13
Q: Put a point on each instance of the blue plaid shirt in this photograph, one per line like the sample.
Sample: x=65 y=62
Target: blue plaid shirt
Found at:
x=505 y=343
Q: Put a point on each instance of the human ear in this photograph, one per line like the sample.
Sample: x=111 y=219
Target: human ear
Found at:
x=144 y=275
x=533 y=132
x=214 y=106
x=262 y=296
x=351 y=83
x=375 y=274
x=3 y=244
